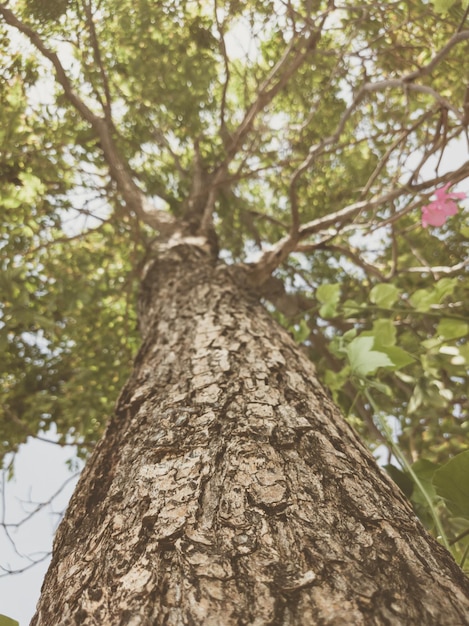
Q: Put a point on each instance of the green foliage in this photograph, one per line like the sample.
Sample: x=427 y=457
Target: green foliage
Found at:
x=328 y=295
x=440 y=491
x=45 y=10
x=442 y=6
x=7 y=621
x=363 y=359
x=68 y=334
x=451 y=484
x=212 y=87
x=420 y=347
x=384 y=295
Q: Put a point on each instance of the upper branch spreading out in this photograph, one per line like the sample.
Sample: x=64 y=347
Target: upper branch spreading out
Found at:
x=106 y=105
x=406 y=83
x=291 y=60
x=293 y=57
x=271 y=259
x=133 y=196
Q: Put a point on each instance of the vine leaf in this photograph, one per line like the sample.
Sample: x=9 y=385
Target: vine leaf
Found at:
x=451 y=484
x=7 y=621
x=363 y=359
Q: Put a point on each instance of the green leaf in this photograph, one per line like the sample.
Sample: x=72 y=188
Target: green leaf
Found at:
x=451 y=483
x=384 y=339
x=383 y=332
x=424 y=299
x=384 y=295
x=329 y=296
x=336 y=380
x=431 y=344
x=301 y=331
x=442 y=6
x=416 y=400
x=363 y=359
x=452 y=329
x=425 y=469
x=381 y=387
x=8 y=621
x=399 y=357
x=402 y=479
x=349 y=334
x=350 y=307
x=445 y=287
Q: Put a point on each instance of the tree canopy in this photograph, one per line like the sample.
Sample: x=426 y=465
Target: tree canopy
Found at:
x=312 y=134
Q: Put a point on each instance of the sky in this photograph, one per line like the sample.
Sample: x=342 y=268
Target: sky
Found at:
x=40 y=472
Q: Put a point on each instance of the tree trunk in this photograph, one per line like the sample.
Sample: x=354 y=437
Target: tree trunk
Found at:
x=228 y=490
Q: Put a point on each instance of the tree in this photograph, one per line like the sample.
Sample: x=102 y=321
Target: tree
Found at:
x=227 y=487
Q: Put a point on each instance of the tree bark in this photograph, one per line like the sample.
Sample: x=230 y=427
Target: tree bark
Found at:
x=228 y=490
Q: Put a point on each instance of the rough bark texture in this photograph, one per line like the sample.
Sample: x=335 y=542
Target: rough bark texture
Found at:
x=228 y=490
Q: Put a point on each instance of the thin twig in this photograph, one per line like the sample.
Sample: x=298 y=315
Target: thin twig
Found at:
x=226 y=65
x=99 y=61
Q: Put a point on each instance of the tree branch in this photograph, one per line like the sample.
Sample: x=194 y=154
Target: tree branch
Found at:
x=98 y=60
x=438 y=269
x=462 y=35
x=291 y=60
x=353 y=255
x=220 y=29
x=271 y=259
x=405 y=82
x=133 y=196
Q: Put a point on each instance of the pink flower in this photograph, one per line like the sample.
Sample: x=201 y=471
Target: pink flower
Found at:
x=435 y=213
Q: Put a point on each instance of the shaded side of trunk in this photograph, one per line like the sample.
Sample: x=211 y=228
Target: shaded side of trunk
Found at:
x=228 y=490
